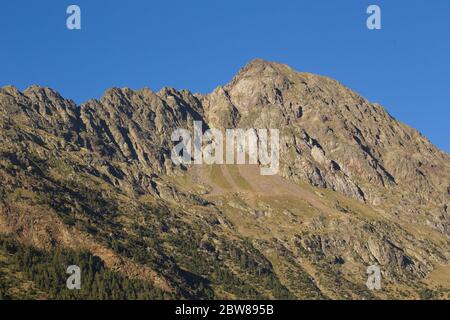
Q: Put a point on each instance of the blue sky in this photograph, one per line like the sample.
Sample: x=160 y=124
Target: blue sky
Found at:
x=200 y=44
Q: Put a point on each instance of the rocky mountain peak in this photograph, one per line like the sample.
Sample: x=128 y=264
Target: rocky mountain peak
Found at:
x=356 y=187
x=11 y=90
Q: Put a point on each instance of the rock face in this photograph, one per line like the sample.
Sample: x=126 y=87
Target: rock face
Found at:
x=106 y=155
x=336 y=139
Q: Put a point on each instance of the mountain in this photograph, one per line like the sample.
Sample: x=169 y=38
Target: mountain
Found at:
x=95 y=185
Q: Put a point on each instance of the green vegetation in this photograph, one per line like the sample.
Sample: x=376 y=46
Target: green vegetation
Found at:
x=47 y=270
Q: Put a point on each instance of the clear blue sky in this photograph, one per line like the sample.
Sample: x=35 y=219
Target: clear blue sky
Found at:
x=200 y=44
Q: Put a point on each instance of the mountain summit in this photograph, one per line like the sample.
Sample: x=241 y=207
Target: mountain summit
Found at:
x=356 y=188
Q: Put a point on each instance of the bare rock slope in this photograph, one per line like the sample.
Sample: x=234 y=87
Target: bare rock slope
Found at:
x=356 y=187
